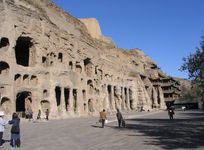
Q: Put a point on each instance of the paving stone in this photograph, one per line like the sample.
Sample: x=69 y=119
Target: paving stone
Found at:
x=144 y=131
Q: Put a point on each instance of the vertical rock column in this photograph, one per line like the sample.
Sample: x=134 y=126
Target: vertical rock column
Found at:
x=134 y=98
x=118 y=99
x=112 y=98
x=128 y=99
x=79 y=102
x=34 y=104
x=62 y=98
x=71 y=102
x=155 y=98
x=161 y=98
x=123 y=98
x=53 y=104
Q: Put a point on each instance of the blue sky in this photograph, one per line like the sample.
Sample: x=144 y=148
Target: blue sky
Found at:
x=166 y=30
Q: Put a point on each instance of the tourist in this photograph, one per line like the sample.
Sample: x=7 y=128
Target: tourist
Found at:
x=119 y=118
x=15 y=131
x=47 y=114
x=171 y=113
x=27 y=114
x=103 y=117
x=142 y=109
x=39 y=114
x=30 y=112
x=183 y=108
x=2 y=126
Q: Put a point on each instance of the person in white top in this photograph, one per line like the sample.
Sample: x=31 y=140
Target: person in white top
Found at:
x=2 y=126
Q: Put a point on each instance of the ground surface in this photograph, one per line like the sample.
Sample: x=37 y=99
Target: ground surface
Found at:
x=144 y=131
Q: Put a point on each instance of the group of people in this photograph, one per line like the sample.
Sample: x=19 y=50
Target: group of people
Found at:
x=29 y=114
x=15 y=130
x=103 y=118
x=121 y=121
x=46 y=114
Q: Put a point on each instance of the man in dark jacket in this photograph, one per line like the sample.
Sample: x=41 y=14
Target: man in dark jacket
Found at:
x=15 y=130
x=119 y=117
x=171 y=113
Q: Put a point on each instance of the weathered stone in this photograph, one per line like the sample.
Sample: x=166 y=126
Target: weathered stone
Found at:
x=52 y=61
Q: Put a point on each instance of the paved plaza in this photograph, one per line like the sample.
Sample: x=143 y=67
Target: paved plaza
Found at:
x=144 y=131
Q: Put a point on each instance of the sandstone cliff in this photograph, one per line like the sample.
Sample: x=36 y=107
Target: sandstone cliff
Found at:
x=52 y=61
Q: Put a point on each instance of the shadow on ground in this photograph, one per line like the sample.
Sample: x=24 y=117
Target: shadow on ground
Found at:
x=187 y=133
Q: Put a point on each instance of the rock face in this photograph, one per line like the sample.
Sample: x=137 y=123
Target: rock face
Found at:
x=49 y=60
x=94 y=30
x=93 y=27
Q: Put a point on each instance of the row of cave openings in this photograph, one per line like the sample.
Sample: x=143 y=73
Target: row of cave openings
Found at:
x=70 y=100
x=4 y=71
x=33 y=80
x=25 y=54
x=125 y=95
x=24 y=100
x=18 y=78
x=26 y=79
x=90 y=104
x=79 y=67
x=22 y=103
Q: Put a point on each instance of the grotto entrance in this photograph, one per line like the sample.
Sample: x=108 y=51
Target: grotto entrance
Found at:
x=23 y=102
x=22 y=51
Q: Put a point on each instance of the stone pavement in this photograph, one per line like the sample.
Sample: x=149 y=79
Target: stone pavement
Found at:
x=144 y=131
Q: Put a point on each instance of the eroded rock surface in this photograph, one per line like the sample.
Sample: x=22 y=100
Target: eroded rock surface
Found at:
x=50 y=60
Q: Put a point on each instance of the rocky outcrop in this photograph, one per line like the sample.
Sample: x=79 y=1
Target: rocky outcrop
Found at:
x=51 y=60
x=94 y=30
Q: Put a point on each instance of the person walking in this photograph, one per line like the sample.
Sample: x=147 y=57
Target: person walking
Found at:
x=119 y=118
x=171 y=113
x=47 y=114
x=2 y=127
x=15 y=131
x=103 y=117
